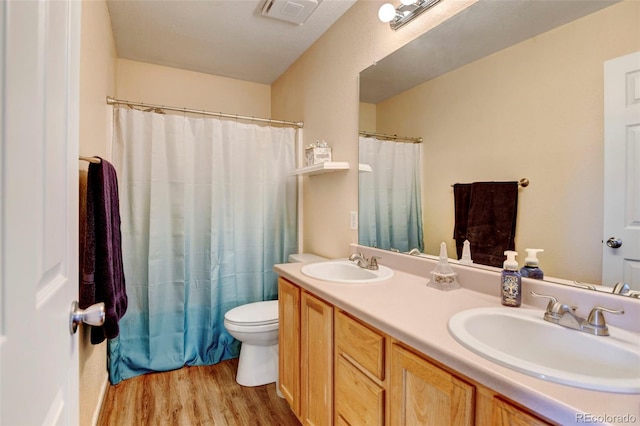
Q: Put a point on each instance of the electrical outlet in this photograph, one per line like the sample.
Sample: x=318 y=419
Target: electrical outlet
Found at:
x=354 y=221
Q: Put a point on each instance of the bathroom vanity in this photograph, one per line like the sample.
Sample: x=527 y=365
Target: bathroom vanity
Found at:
x=381 y=353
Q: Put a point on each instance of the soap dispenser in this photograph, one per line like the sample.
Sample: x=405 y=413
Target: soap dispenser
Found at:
x=443 y=277
x=531 y=268
x=511 y=281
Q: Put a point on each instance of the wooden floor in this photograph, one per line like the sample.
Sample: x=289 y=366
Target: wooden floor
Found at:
x=207 y=395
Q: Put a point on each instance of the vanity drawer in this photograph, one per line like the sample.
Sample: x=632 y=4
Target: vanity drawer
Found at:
x=360 y=344
x=359 y=400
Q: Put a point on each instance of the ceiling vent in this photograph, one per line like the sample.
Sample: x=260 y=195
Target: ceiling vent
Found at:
x=296 y=11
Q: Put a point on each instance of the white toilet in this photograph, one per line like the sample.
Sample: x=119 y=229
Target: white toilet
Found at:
x=256 y=326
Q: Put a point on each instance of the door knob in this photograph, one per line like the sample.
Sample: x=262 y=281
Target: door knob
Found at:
x=93 y=315
x=614 y=242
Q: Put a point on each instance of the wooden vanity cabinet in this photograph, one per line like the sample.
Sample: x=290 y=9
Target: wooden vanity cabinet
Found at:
x=336 y=369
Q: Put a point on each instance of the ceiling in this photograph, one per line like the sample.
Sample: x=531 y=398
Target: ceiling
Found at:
x=229 y=38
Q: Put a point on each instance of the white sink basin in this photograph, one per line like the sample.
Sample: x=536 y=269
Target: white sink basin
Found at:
x=521 y=340
x=345 y=271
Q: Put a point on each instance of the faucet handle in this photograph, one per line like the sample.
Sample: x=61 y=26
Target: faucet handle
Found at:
x=355 y=256
x=373 y=262
x=596 y=323
x=621 y=288
x=552 y=300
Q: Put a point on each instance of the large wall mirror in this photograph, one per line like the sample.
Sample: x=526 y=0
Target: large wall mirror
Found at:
x=502 y=91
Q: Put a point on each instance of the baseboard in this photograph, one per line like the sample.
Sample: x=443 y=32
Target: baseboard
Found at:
x=103 y=393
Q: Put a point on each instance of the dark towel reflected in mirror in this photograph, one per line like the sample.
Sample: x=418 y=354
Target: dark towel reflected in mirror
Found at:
x=485 y=214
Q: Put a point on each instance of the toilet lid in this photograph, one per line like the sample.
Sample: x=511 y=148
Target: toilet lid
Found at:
x=257 y=313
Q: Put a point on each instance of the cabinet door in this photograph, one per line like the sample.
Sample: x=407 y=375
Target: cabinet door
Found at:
x=506 y=414
x=289 y=343
x=317 y=361
x=424 y=394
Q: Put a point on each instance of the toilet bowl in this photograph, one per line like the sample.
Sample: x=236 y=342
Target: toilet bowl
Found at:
x=255 y=325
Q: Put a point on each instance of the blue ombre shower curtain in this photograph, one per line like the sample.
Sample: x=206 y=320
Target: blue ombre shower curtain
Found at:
x=390 y=196
x=207 y=210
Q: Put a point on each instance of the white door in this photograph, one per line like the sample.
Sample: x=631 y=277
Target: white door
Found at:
x=39 y=66
x=622 y=171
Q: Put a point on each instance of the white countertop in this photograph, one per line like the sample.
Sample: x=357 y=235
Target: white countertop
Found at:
x=406 y=309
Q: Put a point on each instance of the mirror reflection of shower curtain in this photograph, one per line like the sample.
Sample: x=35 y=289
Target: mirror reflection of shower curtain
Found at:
x=207 y=210
x=390 y=203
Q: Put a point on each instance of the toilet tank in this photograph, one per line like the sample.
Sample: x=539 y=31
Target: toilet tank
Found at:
x=305 y=258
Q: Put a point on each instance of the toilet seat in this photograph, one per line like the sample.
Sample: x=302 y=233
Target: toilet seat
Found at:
x=253 y=314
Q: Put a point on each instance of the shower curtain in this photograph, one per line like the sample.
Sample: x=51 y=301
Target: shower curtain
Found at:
x=207 y=210
x=390 y=203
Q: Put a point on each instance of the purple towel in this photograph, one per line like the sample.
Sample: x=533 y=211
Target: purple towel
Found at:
x=486 y=216
x=102 y=273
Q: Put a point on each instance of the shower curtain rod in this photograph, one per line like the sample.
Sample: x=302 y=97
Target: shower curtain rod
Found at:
x=391 y=137
x=113 y=101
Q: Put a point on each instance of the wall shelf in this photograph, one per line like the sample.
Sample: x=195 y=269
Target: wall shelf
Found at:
x=364 y=168
x=321 y=168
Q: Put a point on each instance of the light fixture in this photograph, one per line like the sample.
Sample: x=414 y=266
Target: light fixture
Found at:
x=387 y=12
x=404 y=13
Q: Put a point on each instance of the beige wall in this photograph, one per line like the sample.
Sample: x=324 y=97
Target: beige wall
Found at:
x=155 y=84
x=367 y=117
x=321 y=89
x=534 y=110
x=97 y=80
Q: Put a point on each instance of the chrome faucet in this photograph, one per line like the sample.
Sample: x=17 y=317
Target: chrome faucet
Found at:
x=564 y=315
x=363 y=262
x=415 y=252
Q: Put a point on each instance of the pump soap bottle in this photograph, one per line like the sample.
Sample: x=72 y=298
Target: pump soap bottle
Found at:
x=511 y=281
x=530 y=268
